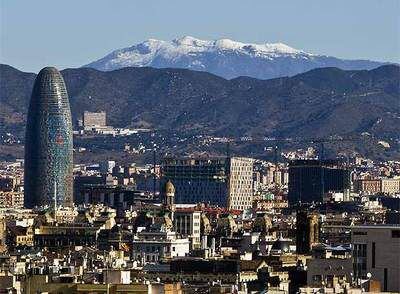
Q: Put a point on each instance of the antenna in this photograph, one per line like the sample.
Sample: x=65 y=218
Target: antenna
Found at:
x=322 y=157
x=276 y=167
x=55 y=196
x=154 y=172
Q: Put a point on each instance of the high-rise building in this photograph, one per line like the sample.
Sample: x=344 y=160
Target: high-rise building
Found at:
x=226 y=182
x=48 y=143
x=309 y=180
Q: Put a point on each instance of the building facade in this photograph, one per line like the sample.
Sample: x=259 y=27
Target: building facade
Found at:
x=376 y=251
x=367 y=185
x=154 y=246
x=226 y=182
x=48 y=143
x=11 y=199
x=385 y=185
x=309 y=180
x=187 y=224
x=307 y=231
x=94 y=119
x=240 y=183
x=390 y=186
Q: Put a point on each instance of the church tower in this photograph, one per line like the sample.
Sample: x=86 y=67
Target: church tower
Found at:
x=169 y=194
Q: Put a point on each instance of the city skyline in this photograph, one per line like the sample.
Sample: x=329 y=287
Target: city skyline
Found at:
x=200 y=147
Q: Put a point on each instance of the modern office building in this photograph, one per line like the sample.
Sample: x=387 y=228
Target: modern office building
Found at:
x=376 y=251
x=309 y=180
x=48 y=143
x=226 y=182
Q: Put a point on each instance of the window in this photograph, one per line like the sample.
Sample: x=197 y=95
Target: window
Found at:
x=385 y=279
x=395 y=233
x=373 y=254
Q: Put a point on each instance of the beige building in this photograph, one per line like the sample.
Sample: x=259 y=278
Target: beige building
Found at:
x=94 y=119
x=390 y=186
x=376 y=255
x=240 y=183
x=11 y=199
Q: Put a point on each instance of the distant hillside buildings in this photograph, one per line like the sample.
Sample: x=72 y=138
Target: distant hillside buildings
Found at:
x=372 y=185
x=94 y=119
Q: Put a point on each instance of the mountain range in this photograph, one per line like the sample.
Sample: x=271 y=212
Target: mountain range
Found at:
x=225 y=58
x=318 y=103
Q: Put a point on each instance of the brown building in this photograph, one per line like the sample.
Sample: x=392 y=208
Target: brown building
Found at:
x=384 y=185
x=368 y=185
x=307 y=231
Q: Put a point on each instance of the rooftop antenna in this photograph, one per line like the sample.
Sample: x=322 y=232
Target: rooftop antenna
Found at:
x=276 y=167
x=322 y=158
x=154 y=172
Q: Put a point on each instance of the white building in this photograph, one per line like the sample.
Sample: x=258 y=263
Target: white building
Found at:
x=187 y=224
x=153 y=246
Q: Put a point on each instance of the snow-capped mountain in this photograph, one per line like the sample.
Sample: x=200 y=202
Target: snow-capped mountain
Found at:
x=224 y=57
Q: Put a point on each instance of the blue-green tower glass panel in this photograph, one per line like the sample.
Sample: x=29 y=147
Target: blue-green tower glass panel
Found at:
x=48 y=143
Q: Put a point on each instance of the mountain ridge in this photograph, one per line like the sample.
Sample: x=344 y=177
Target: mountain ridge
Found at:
x=224 y=57
x=321 y=102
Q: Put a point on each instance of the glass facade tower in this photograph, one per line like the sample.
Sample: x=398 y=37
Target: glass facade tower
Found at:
x=48 y=143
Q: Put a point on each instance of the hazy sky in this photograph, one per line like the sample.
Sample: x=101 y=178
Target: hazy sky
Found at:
x=71 y=33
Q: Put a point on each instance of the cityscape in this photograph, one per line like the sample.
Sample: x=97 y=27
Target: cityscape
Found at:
x=200 y=166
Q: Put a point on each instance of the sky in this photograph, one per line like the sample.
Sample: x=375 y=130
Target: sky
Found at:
x=65 y=34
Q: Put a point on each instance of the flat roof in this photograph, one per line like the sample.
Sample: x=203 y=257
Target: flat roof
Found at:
x=380 y=226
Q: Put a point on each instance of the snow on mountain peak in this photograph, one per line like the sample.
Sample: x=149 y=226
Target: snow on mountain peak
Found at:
x=223 y=57
x=142 y=54
x=189 y=41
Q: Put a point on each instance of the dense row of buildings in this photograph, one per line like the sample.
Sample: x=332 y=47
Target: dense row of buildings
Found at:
x=194 y=224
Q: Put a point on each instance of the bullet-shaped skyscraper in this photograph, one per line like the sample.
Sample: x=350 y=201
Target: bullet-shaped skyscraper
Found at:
x=48 y=143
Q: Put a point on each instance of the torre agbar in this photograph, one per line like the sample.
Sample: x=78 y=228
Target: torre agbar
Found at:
x=48 y=143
